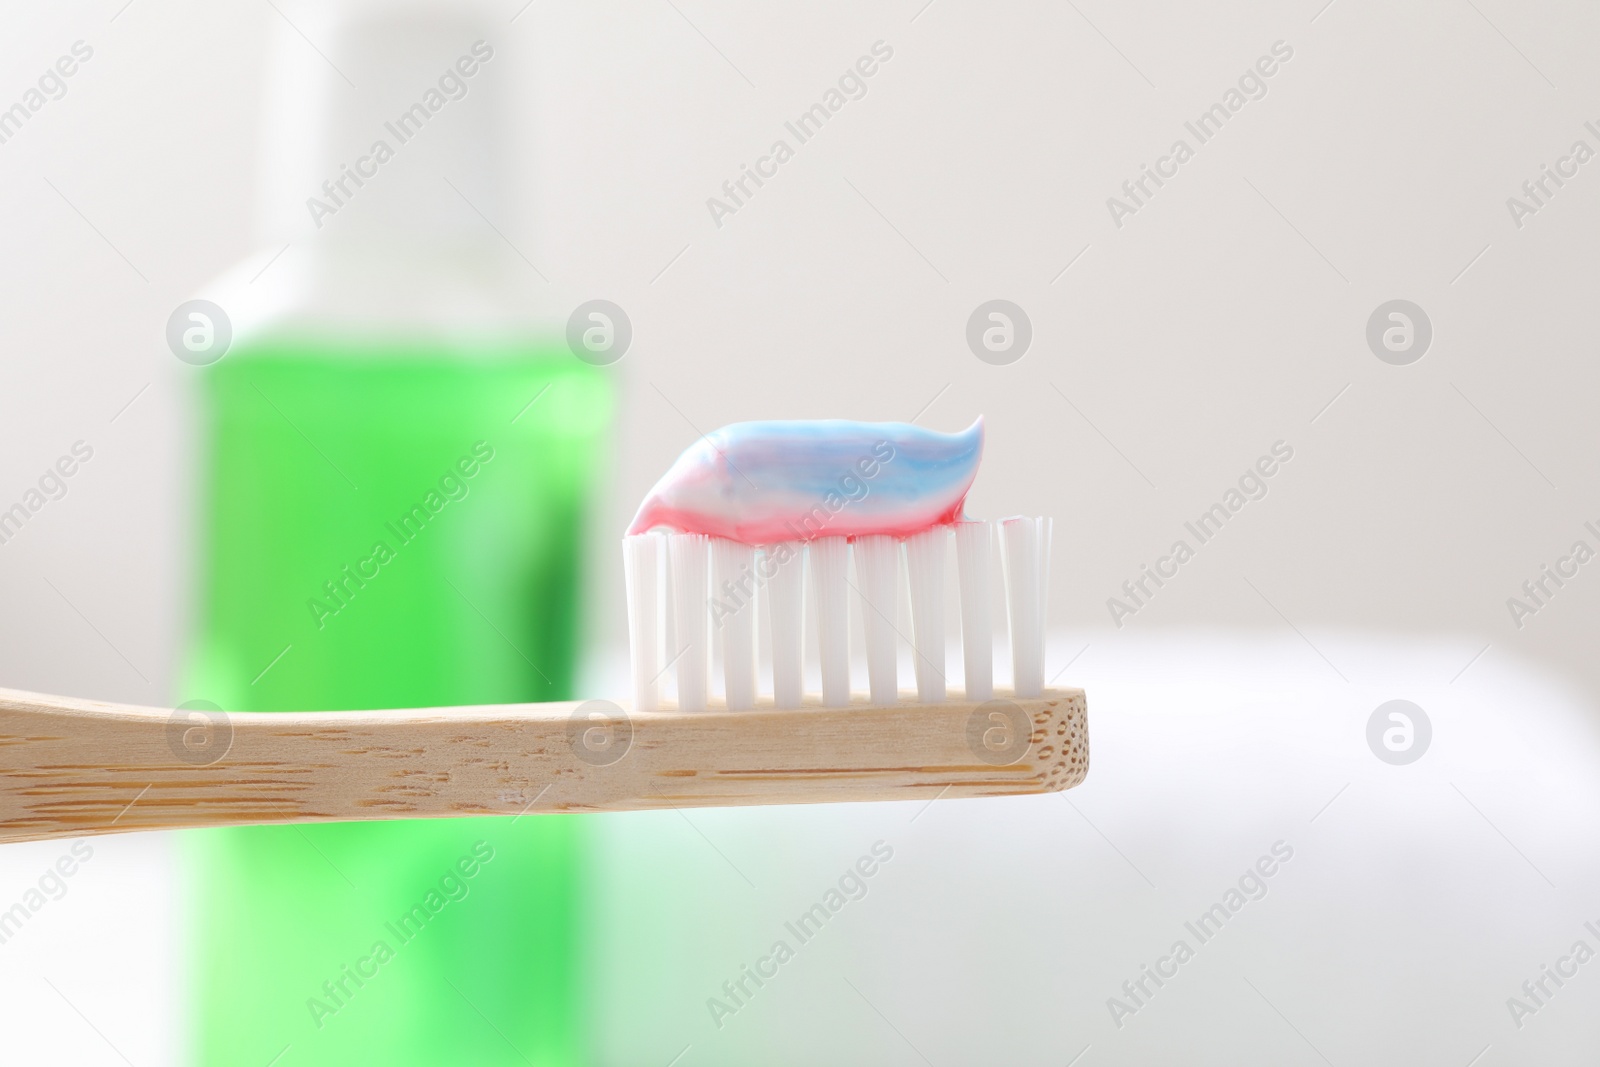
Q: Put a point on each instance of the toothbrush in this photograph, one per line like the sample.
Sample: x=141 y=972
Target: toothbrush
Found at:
x=717 y=557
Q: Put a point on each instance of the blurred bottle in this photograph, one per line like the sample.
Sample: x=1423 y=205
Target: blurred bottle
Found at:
x=396 y=465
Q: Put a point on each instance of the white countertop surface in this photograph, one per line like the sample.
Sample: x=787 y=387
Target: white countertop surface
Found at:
x=1417 y=900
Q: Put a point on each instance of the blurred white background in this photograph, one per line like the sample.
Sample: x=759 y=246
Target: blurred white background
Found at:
x=1168 y=353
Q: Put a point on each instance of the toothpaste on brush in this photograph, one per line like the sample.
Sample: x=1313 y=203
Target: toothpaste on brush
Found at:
x=763 y=483
x=756 y=505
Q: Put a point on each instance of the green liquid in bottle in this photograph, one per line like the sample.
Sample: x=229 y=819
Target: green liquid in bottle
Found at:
x=350 y=560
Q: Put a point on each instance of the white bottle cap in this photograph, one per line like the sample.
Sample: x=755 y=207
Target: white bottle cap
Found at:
x=386 y=195
x=385 y=127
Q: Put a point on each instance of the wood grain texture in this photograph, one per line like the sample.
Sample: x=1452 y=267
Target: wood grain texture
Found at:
x=74 y=767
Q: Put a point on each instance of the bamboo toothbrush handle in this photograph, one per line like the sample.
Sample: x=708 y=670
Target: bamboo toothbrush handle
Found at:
x=74 y=767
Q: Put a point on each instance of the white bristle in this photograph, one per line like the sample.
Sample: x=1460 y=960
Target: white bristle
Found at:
x=974 y=563
x=829 y=558
x=1046 y=532
x=687 y=590
x=925 y=554
x=878 y=571
x=733 y=617
x=785 y=568
x=1025 y=547
x=641 y=567
x=689 y=587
